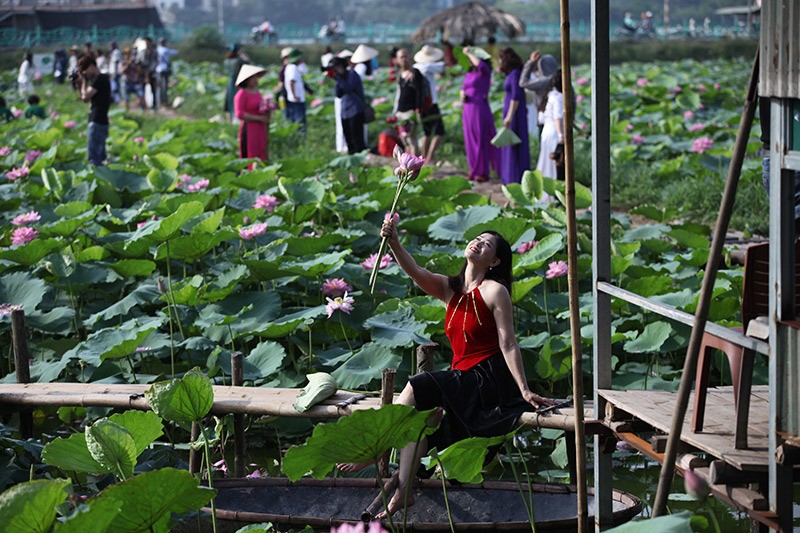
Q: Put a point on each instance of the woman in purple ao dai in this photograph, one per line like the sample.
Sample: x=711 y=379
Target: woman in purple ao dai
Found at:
x=516 y=159
x=477 y=119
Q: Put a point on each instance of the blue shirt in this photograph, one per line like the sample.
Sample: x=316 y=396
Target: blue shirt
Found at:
x=351 y=91
x=164 y=54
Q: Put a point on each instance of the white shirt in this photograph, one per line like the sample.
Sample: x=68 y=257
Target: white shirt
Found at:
x=24 y=72
x=361 y=70
x=430 y=70
x=294 y=73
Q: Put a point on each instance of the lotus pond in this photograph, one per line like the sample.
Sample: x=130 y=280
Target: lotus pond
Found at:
x=176 y=255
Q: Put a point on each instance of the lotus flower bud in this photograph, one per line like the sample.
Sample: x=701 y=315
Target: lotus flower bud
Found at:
x=435 y=418
x=695 y=485
x=160 y=284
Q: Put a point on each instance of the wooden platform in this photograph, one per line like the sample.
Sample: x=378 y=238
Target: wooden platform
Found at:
x=656 y=408
x=255 y=401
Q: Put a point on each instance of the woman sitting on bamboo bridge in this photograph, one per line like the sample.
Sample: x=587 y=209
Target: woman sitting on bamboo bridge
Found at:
x=485 y=391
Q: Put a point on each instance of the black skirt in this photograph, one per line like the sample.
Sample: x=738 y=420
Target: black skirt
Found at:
x=483 y=401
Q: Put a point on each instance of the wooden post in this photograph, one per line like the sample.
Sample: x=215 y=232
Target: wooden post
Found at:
x=572 y=274
x=706 y=292
x=237 y=380
x=387 y=397
x=19 y=340
x=194 y=456
x=425 y=355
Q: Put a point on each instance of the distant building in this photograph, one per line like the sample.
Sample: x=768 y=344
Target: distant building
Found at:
x=28 y=15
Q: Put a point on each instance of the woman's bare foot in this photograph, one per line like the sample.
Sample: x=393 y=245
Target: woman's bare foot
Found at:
x=352 y=468
x=396 y=503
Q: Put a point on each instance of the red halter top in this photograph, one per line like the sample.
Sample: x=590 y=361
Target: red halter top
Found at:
x=471 y=329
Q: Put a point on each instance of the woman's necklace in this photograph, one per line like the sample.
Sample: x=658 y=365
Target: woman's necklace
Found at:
x=470 y=298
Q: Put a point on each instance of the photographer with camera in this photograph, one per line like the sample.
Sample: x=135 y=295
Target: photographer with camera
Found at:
x=96 y=89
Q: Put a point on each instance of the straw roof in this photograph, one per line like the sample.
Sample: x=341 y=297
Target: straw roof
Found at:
x=470 y=21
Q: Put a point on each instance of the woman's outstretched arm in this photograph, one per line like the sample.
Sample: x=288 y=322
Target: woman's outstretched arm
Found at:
x=432 y=284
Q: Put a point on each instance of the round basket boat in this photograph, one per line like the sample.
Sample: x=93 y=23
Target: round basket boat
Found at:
x=328 y=502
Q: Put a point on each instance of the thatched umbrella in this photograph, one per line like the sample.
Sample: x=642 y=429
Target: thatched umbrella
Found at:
x=469 y=21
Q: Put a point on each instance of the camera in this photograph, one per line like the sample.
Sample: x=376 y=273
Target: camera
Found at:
x=75 y=80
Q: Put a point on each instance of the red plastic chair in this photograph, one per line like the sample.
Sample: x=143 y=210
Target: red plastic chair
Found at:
x=755 y=303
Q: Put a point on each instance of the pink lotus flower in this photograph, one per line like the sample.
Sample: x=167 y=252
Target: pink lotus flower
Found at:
x=696 y=127
x=688 y=115
x=637 y=139
x=717 y=86
x=409 y=164
x=6 y=309
x=199 y=186
x=556 y=270
x=341 y=303
x=245 y=220
x=369 y=262
x=32 y=156
x=54 y=114
x=23 y=236
x=695 y=485
x=374 y=527
x=17 y=113
x=4 y=151
x=26 y=218
x=37 y=76
x=253 y=231
x=254 y=474
x=701 y=145
x=526 y=246
x=642 y=82
x=266 y=202
x=138 y=140
x=316 y=102
x=335 y=287
x=701 y=87
x=183 y=180
x=353 y=178
x=676 y=89
x=582 y=81
x=16 y=173
x=582 y=126
x=629 y=127
x=221 y=466
x=580 y=98
x=378 y=101
x=395 y=217
x=141 y=224
x=69 y=124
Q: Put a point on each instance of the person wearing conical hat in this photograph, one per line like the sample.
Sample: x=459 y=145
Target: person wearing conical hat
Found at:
x=254 y=114
x=430 y=62
x=535 y=79
x=295 y=88
x=234 y=59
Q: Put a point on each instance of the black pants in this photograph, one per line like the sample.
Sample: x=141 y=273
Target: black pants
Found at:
x=353 y=129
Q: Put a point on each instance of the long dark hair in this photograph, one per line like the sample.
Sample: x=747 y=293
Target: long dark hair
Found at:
x=555 y=83
x=509 y=60
x=501 y=273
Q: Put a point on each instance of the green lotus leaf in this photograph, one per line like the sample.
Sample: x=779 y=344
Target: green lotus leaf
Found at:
x=69 y=224
x=256 y=180
x=224 y=284
x=463 y=460
x=265 y=359
x=650 y=285
x=134 y=267
x=112 y=446
x=516 y=195
x=674 y=523
x=283 y=326
x=362 y=436
x=94 y=517
x=161 y=161
x=193 y=246
x=532 y=184
x=689 y=239
x=183 y=400
x=510 y=228
x=21 y=288
x=444 y=188
x=305 y=246
x=142 y=295
x=149 y=499
x=317 y=265
x=31 y=253
x=113 y=342
x=31 y=507
x=365 y=365
x=321 y=386
x=307 y=191
x=651 y=339
x=165 y=229
x=659 y=214
x=144 y=426
x=396 y=328
x=453 y=227
x=72 y=454
x=520 y=288
x=650 y=231
x=537 y=256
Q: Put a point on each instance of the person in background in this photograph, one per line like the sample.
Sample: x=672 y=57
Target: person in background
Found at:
x=96 y=89
x=391 y=75
x=5 y=112
x=325 y=59
x=552 y=117
x=408 y=100
x=115 y=70
x=351 y=91
x=87 y=50
x=362 y=60
x=295 y=89
x=485 y=390
x=629 y=23
x=476 y=115
x=34 y=109
x=60 y=66
x=494 y=51
x=341 y=141
x=149 y=60
x=234 y=60
x=251 y=110
x=535 y=79
x=515 y=159
x=25 y=76
x=72 y=63
x=280 y=88
x=429 y=62
x=164 y=70
x=132 y=77
x=102 y=61
x=449 y=56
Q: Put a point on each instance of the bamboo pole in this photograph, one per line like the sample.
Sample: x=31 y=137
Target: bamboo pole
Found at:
x=572 y=273
x=19 y=340
x=706 y=292
x=387 y=397
x=237 y=380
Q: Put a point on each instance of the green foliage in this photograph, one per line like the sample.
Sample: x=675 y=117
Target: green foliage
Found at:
x=183 y=400
x=31 y=507
x=677 y=523
x=463 y=460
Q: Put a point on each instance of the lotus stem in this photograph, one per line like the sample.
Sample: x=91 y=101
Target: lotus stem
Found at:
x=210 y=484
x=546 y=310
x=530 y=490
x=519 y=485
x=344 y=332
x=374 y=275
x=383 y=495
x=447 y=502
